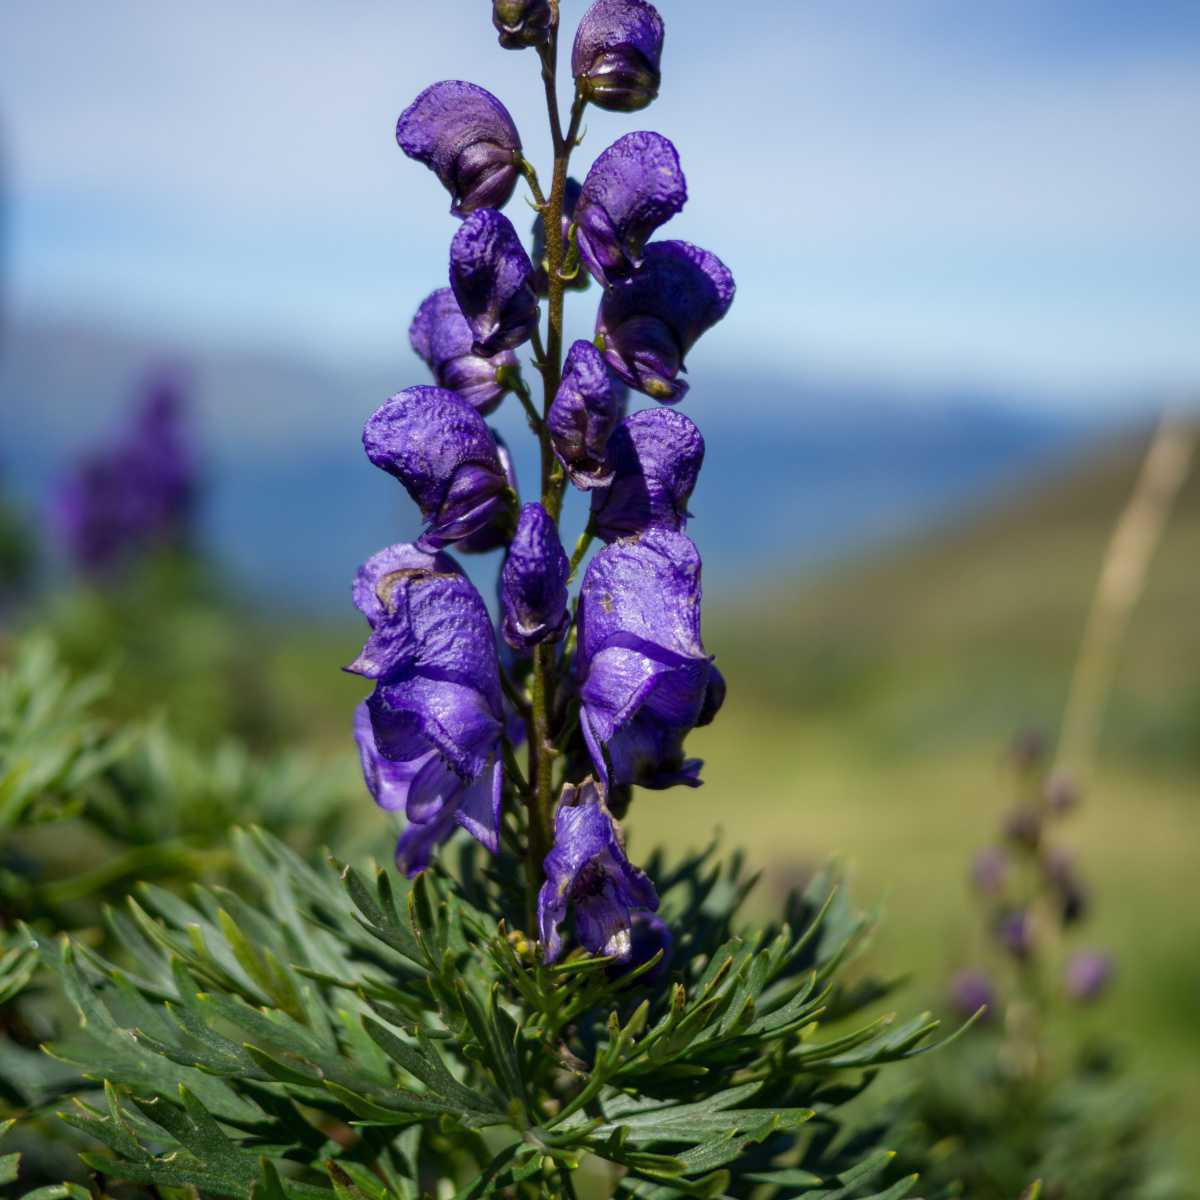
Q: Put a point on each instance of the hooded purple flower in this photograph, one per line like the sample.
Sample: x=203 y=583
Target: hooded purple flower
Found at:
x=492 y=279
x=655 y=457
x=588 y=872
x=522 y=23
x=969 y=991
x=137 y=493
x=1087 y=974
x=635 y=186
x=533 y=582
x=645 y=679
x=649 y=324
x=466 y=137
x=441 y=336
x=437 y=445
x=429 y=734
x=497 y=532
x=584 y=413
x=541 y=263
x=616 y=58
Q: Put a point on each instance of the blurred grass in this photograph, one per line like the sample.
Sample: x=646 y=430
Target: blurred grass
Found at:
x=867 y=716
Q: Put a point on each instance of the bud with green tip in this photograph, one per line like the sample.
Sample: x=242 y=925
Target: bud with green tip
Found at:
x=522 y=23
x=617 y=53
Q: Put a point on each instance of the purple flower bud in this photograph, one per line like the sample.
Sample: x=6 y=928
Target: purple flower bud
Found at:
x=441 y=336
x=499 y=530
x=587 y=871
x=522 y=23
x=649 y=324
x=466 y=137
x=635 y=186
x=616 y=59
x=989 y=871
x=429 y=734
x=655 y=457
x=533 y=582
x=437 y=445
x=1061 y=792
x=1087 y=975
x=643 y=672
x=541 y=264
x=970 y=990
x=584 y=413
x=1014 y=931
x=1024 y=827
x=492 y=279
x=1058 y=866
x=649 y=935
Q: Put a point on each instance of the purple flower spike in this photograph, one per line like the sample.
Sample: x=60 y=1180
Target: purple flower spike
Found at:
x=429 y=734
x=969 y=991
x=533 y=582
x=655 y=458
x=616 y=59
x=649 y=324
x=437 y=445
x=441 y=336
x=466 y=137
x=492 y=279
x=635 y=186
x=584 y=413
x=541 y=264
x=645 y=679
x=522 y=23
x=587 y=871
x=1088 y=974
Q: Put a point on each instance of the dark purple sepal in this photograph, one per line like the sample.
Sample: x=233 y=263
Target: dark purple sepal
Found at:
x=439 y=448
x=441 y=336
x=633 y=188
x=587 y=872
x=522 y=23
x=492 y=279
x=467 y=138
x=585 y=411
x=617 y=55
x=655 y=457
x=648 y=325
x=533 y=582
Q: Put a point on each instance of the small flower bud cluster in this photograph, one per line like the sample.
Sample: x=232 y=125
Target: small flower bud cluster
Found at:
x=601 y=689
x=1028 y=883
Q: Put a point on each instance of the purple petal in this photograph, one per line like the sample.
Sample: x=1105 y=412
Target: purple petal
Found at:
x=492 y=280
x=375 y=580
x=616 y=58
x=533 y=582
x=584 y=413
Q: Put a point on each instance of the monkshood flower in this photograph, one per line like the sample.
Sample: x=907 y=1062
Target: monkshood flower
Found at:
x=1087 y=975
x=441 y=336
x=617 y=55
x=437 y=445
x=497 y=532
x=431 y=735
x=1058 y=866
x=541 y=264
x=533 y=582
x=649 y=324
x=466 y=137
x=970 y=990
x=492 y=280
x=644 y=676
x=588 y=873
x=1014 y=931
x=655 y=458
x=634 y=187
x=989 y=871
x=522 y=23
x=137 y=493
x=584 y=413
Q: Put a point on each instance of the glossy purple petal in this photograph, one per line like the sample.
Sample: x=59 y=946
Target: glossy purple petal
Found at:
x=522 y=23
x=467 y=138
x=533 y=582
x=541 y=264
x=588 y=873
x=584 y=413
x=633 y=188
x=643 y=672
x=649 y=324
x=439 y=448
x=492 y=279
x=442 y=338
x=617 y=55
x=655 y=457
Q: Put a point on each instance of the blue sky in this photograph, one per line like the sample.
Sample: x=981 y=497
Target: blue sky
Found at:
x=993 y=193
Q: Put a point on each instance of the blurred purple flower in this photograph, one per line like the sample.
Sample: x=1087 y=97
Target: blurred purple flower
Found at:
x=533 y=582
x=1014 y=931
x=616 y=58
x=970 y=990
x=1061 y=792
x=1087 y=975
x=989 y=871
x=467 y=138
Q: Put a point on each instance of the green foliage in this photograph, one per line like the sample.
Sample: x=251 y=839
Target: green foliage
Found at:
x=319 y=1032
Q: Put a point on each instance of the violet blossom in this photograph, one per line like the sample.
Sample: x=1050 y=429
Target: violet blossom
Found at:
x=533 y=582
x=616 y=58
x=522 y=23
x=584 y=413
x=492 y=279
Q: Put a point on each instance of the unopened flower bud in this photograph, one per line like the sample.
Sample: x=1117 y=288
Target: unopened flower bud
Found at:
x=617 y=54
x=533 y=582
x=491 y=277
x=970 y=990
x=1014 y=931
x=522 y=23
x=1087 y=975
x=585 y=411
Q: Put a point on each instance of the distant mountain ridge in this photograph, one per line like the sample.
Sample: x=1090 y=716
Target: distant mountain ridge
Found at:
x=797 y=471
